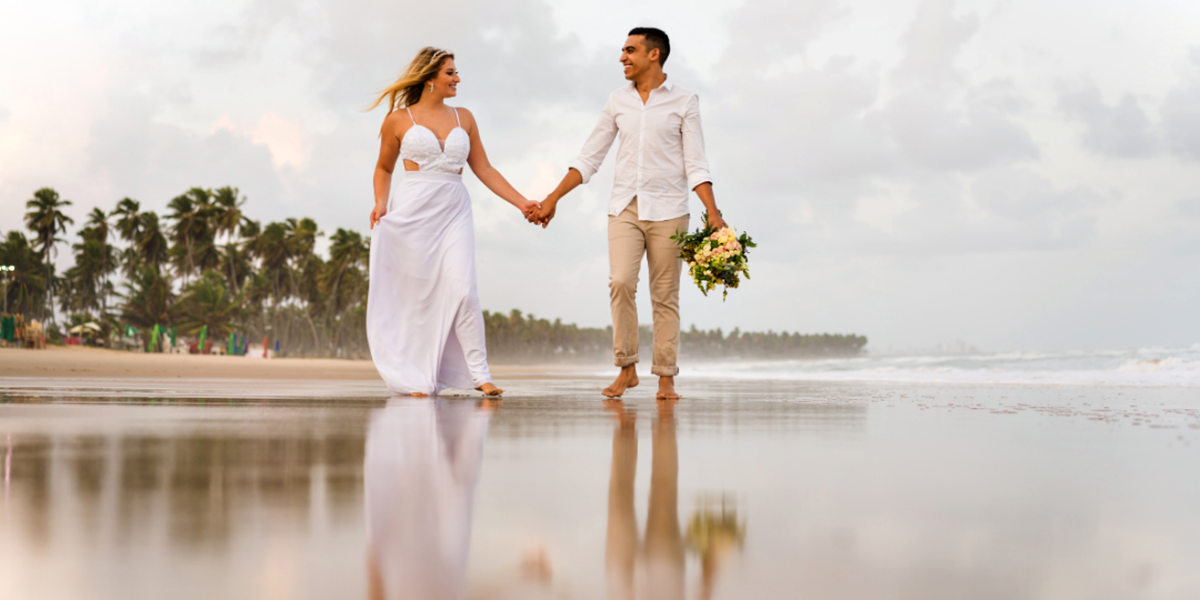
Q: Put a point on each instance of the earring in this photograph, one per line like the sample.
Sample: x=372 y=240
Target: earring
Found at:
x=430 y=87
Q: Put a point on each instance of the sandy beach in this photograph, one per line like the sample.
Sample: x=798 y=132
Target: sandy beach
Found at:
x=95 y=363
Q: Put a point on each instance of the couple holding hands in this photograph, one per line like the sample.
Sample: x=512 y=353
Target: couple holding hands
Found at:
x=424 y=322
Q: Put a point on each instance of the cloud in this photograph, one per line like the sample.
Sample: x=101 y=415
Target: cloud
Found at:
x=1181 y=113
x=931 y=43
x=1120 y=131
x=768 y=36
x=1189 y=208
x=932 y=132
x=286 y=138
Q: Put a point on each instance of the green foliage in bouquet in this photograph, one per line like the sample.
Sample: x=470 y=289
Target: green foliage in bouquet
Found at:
x=715 y=257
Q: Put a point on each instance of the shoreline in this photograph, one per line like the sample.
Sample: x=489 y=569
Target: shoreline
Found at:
x=99 y=363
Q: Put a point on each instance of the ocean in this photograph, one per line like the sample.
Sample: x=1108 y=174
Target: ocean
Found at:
x=1170 y=367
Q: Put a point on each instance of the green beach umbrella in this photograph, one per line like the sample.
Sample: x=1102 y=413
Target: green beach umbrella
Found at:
x=154 y=338
x=172 y=337
x=203 y=336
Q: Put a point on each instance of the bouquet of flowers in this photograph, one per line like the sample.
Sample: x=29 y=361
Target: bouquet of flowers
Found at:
x=715 y=256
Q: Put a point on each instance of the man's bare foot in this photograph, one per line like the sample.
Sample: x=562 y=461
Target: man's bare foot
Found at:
x=419 y=395
x=666 y=389
x=490 y=390
x=626 y=379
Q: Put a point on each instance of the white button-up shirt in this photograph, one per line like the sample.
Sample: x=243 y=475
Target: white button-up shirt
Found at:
x=661 y=156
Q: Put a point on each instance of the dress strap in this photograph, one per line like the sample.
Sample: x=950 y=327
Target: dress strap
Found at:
x=456 y=119
x=410 y=115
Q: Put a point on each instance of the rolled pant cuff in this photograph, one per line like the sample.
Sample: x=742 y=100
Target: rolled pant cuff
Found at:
x=664 y=371
x=625 y=361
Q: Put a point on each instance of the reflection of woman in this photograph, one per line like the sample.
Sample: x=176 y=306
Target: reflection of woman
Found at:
x=424 y=322
x=422 y=463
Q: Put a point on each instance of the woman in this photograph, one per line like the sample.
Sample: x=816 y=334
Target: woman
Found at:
x=424 y=323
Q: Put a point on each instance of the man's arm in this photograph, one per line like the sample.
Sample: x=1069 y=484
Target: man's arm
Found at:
x=705 y=192
x=696 y=163
x=582 y=168
x=572 y=180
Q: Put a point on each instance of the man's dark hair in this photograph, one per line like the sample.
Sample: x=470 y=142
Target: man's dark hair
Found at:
x=655 y=38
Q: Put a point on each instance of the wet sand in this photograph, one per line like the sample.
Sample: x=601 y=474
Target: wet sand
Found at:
x=76 y=362
x=742 y=490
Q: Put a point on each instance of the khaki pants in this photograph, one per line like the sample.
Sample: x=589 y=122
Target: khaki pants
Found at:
x=628 y=240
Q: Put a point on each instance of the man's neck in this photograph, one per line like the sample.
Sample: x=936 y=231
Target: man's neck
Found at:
x=650 y=81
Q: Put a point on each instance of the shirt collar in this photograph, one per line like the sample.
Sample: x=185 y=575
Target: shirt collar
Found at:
x=667 y=85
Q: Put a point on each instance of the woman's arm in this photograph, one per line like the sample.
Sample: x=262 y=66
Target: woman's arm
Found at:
x=488 y=174
x=389 y=152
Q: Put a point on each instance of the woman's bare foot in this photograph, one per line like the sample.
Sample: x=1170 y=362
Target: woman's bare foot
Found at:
x=490 y=390
x=666 y=389
x=419 y=395
x=626 y=379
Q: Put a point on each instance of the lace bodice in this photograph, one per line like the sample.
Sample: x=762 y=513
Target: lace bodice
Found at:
x=421 y=146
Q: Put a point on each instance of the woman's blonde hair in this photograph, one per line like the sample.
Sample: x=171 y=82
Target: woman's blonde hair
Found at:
x=407 y=89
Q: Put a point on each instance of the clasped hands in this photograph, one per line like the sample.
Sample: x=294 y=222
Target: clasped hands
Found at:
x=539 y=213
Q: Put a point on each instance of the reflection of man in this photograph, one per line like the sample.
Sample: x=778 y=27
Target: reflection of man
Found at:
x=657 y=566
x=660 y=159
x=420 y=470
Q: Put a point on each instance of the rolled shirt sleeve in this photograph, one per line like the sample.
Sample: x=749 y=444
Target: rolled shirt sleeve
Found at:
x=694 y=160
x=598 y=143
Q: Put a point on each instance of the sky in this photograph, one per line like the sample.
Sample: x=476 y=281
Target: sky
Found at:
x=1014 y=175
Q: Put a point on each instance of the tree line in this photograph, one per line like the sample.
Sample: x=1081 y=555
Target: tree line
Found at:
x=202 y=264
x=516 y=337
x=205 y=264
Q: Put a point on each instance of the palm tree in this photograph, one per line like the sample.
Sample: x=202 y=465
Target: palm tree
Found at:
x=26 y=285
x=151 y=246
x=191 y=213
x=348 y=250
x=301 y=239
x=208 y=303
x=46 y=219
x=238 y=257
x=85 y=282
x=235 y=265
x=227 y=211
x=273 y=252
x=349 y=253
x=149 y=301
x=98 y=226
x=130 y=221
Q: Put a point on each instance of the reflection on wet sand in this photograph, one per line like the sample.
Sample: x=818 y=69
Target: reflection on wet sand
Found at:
x=655 y=567
x=421 y=466
x=932 y=493
x=188 y=487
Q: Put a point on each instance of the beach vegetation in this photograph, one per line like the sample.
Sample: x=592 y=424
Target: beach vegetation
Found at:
x=46 y=220
x=205 y=266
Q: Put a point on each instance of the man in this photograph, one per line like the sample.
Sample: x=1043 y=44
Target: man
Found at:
x=660 y=158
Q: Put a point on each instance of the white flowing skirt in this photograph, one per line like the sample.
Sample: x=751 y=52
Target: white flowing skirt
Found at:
x=424 y=322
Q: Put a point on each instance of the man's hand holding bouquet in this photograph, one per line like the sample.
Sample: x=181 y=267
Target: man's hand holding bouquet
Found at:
x=715 y=256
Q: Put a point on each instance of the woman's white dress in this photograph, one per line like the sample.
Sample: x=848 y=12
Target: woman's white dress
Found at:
x=424 y=322
x=421 y=466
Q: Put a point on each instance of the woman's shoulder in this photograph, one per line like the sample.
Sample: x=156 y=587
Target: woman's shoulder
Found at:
x=397 y=122
x=465 y=113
